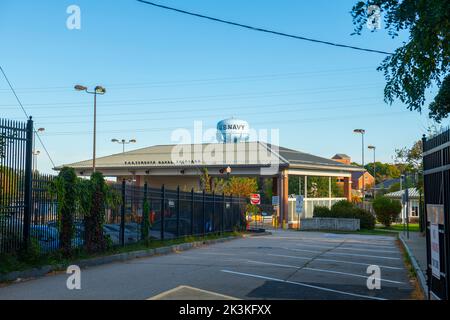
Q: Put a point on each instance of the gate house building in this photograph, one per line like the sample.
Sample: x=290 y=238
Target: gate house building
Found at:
x=182 y=165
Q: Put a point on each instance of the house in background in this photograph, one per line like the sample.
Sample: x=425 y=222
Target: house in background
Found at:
x=361 y=178
x=412 y=208
x=384 y=186
x=342 y=158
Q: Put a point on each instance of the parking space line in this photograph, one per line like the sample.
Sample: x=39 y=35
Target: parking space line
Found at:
x=344 y=254
x=302 y=284
x=351 y=243
x=343 y=248
x=332 y=260
x=321 y=270
x=349 y=274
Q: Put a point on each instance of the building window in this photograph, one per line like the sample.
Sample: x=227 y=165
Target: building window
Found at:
x=414 y=211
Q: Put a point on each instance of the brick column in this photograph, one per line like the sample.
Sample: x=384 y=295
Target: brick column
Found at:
x=348 y=188
x=284 y=196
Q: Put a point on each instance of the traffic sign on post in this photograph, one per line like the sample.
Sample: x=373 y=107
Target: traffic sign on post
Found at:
x=299 y=204
x=255 y=199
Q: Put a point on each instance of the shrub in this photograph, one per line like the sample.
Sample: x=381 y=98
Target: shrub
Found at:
x=386 y=210
x=64 y=187
x=367 y=220
x=345 y=209
x=95 y=240
x=321 y=212
x=145 y=225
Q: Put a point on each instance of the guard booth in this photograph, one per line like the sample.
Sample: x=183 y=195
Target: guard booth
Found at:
x=436 y=163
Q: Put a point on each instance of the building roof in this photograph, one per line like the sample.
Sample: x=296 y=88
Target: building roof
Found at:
x=359 y=174
x=387 y=183
x=341 y=156
x=412 y=193
x=216 y=154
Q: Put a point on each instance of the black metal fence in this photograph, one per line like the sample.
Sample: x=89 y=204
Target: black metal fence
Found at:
x=171 y=214
x=436 y=163
x=29 y=210
x=15 y=183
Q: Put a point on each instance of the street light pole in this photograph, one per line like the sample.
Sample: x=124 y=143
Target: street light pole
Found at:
x=374 y=168
x=123 y=142
x=94 y=144
x=36 y=152
x=97 y=90
x=362 y=132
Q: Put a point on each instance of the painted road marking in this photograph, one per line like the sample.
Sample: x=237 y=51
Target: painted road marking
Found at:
x=321 y=270
x=344 y=254
x=302 y=284
x=344 y=248
x=332 y=260
x=350 y=274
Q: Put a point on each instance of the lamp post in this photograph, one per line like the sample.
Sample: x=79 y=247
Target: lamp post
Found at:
x=36 y=152
x=97 y=90
x=362 y=132
x=123 y=142
x=374 y=167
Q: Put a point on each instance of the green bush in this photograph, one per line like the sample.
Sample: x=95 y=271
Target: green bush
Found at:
x=386 y=210
x=321 y=212
x=345 y=209
x=367 y=220
x=64 y=187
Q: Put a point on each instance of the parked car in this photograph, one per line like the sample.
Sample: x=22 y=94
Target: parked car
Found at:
x=170 y=227
x=48 y=238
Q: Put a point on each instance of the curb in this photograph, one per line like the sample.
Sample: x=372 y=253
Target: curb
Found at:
x=420 y=274
x=120 y=257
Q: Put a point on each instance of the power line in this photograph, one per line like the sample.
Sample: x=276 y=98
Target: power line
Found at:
x=290 y=120
x=207 y=98
x=208 y=109
x=262 y=29
x=263 y=77
x=26 y=115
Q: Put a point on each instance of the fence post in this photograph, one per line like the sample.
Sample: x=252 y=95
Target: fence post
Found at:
x=144 y=224
x=28 y=184
x=203 y=214
x=223 y=213
x=212 y=224
x=178 y=211
x=163 y=209
x=232 y=212
x=192 y=211
x=122 y=214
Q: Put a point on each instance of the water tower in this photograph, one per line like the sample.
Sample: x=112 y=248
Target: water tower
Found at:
x=233 y=131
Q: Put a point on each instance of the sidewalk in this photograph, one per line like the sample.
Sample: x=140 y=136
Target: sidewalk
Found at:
x=416 y=246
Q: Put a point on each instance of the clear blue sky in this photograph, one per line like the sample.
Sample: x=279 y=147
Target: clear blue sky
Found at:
x=163 y=70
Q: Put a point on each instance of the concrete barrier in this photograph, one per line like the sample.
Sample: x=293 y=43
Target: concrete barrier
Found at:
x=335 y=224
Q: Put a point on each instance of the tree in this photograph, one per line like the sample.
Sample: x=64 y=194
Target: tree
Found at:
x=241 y=187
x=423 y=60
x=386 y=210
x=410 y=157
x=9 y=184
x=384 y=171
x=205 y=180
x=65 y=188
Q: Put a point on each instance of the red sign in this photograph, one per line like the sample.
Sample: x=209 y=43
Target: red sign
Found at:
x=255 y=198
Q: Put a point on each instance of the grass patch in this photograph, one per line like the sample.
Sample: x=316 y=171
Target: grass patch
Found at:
x=413 y=227
x=417 y=293
x=10 y=263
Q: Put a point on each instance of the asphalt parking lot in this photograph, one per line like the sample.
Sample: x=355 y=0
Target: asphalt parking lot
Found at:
x=284 y=265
